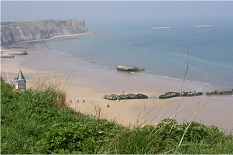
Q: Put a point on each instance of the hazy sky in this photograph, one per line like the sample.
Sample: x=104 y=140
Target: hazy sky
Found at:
x=114 y=11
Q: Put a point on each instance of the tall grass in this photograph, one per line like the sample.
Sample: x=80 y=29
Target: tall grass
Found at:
x=51 y=87
x=38 y=121
x=165 y=137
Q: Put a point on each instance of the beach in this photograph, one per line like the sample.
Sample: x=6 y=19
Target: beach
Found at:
x=86 y=86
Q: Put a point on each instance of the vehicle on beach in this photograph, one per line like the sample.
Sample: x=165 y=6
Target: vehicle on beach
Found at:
x=129 y=68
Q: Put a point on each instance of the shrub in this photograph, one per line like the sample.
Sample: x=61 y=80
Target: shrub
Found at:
x=76 y=137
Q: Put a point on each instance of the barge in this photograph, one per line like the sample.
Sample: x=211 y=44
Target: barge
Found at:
x=203 y=26
x=161 y=28
x=129 y=68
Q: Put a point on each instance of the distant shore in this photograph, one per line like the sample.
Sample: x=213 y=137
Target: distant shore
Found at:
x=72 y=36
x=85 y=87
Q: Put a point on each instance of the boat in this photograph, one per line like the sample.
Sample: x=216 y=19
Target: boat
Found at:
x=161 y=28
x=129 y=68
x=203 y=26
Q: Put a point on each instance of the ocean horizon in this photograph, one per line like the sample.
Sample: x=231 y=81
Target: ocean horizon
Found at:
x=161 y=52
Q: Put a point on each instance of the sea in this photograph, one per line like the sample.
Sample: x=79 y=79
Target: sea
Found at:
x=205 y=53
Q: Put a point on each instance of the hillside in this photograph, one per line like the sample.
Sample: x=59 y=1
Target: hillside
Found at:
x=38 y=122
x=13 y=32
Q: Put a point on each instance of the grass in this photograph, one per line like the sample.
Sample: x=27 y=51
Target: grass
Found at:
x=38 y=122
x=164 y=139
x=35 y=121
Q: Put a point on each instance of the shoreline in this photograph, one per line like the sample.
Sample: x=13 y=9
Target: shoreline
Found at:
x=72 y=36
x=82 y=82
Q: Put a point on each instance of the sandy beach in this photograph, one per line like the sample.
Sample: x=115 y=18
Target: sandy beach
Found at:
x=86 y=84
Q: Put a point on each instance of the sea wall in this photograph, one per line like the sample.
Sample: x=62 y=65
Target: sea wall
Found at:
x=13 y=32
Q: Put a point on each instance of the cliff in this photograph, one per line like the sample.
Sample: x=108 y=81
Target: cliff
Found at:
x=12 y=32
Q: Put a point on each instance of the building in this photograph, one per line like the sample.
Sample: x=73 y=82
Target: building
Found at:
x=20 y=82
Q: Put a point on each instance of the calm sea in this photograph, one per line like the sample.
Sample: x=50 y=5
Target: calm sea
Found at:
x=160 y=52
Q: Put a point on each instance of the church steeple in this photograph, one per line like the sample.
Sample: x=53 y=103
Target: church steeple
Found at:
x=20 y=82
x=20 y=76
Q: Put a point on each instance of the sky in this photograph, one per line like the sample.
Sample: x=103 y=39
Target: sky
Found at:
x=92 y=11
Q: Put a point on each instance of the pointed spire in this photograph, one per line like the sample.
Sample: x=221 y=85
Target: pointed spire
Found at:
x=20 y=76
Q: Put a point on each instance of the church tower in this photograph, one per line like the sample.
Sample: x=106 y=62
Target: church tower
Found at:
x=20 y=82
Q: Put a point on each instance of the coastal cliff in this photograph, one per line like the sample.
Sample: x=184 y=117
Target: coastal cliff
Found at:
x=13 y=32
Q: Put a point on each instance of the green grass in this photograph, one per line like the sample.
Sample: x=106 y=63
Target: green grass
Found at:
x=37 y=121
x=165 y=137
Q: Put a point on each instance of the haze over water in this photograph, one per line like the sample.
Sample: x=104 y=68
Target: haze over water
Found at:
x=125 y=35
x=160 y=52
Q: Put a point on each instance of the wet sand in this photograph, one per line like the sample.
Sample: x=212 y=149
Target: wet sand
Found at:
x=86 y=84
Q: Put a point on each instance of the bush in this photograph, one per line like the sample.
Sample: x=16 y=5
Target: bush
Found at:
x=75 y=137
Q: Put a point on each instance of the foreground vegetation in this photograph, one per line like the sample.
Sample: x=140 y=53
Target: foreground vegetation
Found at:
x=37 y=121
